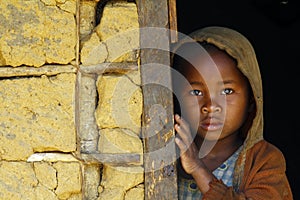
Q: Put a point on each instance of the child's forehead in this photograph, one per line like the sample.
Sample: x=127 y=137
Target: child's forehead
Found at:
x=205 y=60
x=199 y=50
x=215 y=66
x=210 y=59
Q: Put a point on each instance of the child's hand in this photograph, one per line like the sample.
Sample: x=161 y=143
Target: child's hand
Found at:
x=189 y=153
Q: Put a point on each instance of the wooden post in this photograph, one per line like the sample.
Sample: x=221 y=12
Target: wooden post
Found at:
x=158 y=132
x=173 y=20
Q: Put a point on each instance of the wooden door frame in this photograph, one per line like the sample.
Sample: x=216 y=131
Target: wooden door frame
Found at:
x=158 y=117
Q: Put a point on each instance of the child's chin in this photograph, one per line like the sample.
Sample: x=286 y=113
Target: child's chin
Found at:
x=212 y=135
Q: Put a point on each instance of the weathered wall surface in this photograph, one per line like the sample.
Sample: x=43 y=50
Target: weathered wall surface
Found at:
x=66 y=107
x=37 y=32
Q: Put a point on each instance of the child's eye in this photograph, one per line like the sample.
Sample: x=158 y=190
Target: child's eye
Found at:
x=227 y=91
x=196 y=92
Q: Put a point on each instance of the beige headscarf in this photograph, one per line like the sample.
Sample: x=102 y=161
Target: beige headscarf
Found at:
x=238 y=46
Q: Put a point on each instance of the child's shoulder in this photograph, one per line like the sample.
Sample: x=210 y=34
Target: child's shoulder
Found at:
x=267 y=151
x=266 y=145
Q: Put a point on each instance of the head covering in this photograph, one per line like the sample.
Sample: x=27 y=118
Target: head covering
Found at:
x=239 y=47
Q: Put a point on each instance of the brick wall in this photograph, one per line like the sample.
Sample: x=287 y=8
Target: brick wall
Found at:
x=69 y=92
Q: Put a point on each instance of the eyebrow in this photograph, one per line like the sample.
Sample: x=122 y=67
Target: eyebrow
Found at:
x=197 y=83
x=228 y=82
x=221 y=82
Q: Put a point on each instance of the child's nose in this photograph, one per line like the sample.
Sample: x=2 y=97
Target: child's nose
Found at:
x=211 y=107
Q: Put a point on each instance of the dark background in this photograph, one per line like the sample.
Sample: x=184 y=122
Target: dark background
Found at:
x=273 y=29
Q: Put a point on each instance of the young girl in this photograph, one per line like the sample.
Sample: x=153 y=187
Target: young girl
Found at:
x=219 y=122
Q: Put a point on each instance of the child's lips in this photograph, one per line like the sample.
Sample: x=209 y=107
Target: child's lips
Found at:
x=211 y=124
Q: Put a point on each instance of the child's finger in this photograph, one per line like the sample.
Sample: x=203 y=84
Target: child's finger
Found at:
x=183 y=129
x=185 y=136
x=183 y=124
x=180 y=144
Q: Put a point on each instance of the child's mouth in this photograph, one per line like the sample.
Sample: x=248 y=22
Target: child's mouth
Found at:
x=211 y=124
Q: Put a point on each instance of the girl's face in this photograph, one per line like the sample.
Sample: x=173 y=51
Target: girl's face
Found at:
x=216 y=100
